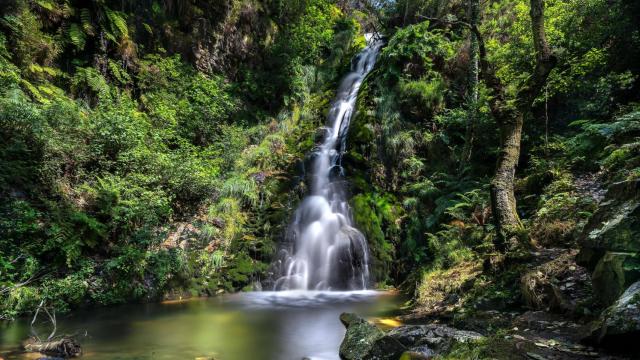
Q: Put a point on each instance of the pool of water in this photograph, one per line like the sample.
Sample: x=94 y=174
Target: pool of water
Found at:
x=287 y=325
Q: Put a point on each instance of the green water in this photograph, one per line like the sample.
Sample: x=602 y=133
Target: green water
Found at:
x=258 y=325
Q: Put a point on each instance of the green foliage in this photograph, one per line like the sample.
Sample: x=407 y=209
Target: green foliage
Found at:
x=425 y=97
x=415 y=50
x=613 y=144
x=113 y=135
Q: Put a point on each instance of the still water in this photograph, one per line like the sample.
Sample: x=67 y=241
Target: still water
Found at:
x=287 y=325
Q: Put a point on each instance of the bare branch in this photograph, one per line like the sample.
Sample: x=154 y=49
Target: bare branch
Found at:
x=34 y=333
x=53 y=321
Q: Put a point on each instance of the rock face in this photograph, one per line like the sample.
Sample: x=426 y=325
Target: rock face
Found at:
x=365 y=341
x=619 y=325
x=610 y=242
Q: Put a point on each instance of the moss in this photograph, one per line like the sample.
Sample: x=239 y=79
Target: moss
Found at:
x=376 y=216
x=436 y=286
x=494 y=347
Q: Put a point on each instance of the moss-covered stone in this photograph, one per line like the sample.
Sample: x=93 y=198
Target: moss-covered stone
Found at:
x=619 y=325
x=364 y=341
x=610 y=245
x=614 y=273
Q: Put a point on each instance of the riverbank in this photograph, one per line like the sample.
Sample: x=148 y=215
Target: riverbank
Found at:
x=551 y=316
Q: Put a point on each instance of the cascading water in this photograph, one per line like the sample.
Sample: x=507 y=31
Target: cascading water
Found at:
x=325 y=251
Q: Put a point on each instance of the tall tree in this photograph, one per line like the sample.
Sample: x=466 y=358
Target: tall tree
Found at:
x=473 y=12
x=510 y=120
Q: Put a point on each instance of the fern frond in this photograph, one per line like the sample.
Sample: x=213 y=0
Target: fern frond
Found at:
x=117 y=22
x=85 y=20
x=77 y=36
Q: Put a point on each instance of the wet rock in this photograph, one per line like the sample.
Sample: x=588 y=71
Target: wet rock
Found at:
x=609 y=245
x=619 y=325
x=437 y=338
x=364 y=341
x=321 y=134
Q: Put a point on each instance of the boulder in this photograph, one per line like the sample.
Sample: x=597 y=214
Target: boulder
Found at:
x=619 y=325
x=364 y=341
x=609 y=243
x=613 y=274
x=431 y=339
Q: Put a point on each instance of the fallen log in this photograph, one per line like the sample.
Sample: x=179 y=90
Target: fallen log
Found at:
x=65 y=347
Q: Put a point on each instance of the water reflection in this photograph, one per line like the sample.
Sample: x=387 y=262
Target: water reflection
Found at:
x=286 y=325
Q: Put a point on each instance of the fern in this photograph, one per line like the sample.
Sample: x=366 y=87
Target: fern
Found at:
x=245 y=190
x=33 y=91
x=46 y=4
x=118 y=73
x=89 y=77
x=217 y=259
x=117 y=23
x=85 y=20
x=148 y=28
x=77 y=36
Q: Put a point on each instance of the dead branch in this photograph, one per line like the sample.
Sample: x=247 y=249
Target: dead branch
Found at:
x=65 y=346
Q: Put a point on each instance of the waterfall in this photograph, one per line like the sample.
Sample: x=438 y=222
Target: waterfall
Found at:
x=325 y=251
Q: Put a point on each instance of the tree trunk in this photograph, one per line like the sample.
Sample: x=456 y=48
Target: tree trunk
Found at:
x=472 y=92
x=502 y=185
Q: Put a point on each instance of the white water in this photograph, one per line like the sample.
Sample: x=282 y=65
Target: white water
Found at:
x=325 y=251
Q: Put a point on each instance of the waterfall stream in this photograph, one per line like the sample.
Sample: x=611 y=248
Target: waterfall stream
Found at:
x=325 y=251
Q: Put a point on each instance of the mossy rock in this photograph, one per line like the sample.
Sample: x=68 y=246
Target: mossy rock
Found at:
x=613 y=274
x=619 y=325
x=609 y=244
x=616 y=224
x=364 y=341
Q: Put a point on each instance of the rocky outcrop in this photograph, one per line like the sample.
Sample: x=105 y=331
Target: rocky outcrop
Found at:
x=610 y=242
x=619 y=325
x=365 y=341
